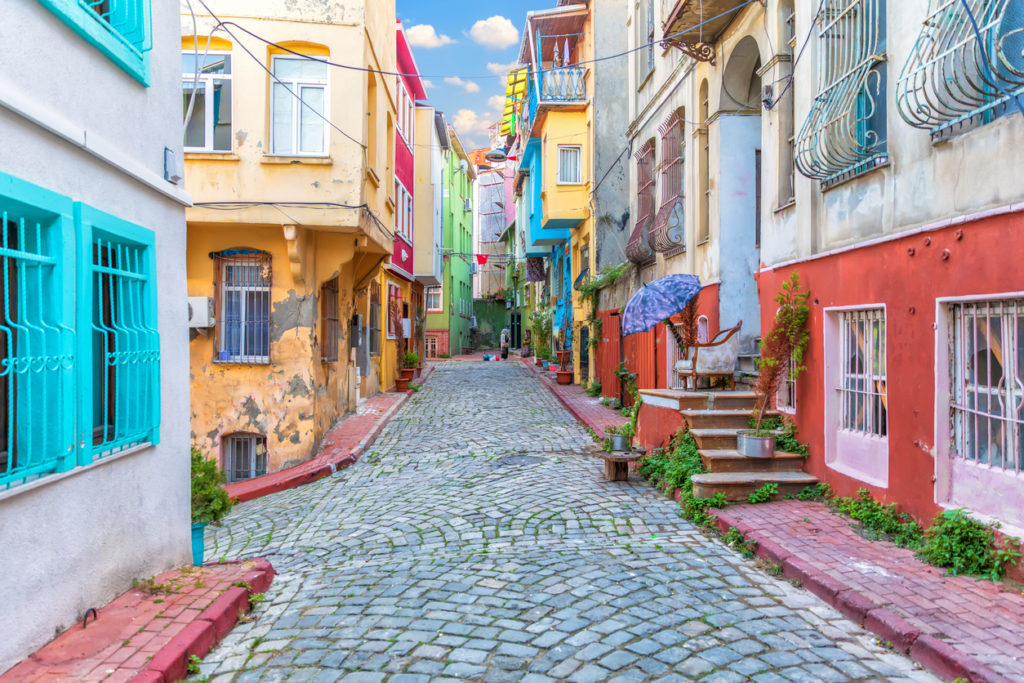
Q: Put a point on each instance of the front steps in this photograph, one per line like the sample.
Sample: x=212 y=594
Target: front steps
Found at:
x=714 y=418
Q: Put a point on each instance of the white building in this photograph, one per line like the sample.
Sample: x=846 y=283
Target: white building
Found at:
x=94 y=466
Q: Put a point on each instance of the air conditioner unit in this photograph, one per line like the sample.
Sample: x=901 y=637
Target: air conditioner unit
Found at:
x=467 y=204
x=472 y=322
x=200 y=312
x=472 y=268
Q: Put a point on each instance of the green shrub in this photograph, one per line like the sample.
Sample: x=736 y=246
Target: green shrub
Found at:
x=963 y=545
x=764 y=494
x=210 y=501
x=820 y=491
x=786 y=434
x=594 y=388
x=881 y=521
x=673 y=469
x=411 y=359
x=736 y=539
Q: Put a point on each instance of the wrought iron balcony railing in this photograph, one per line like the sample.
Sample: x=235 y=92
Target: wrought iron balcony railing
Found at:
x=563 y=84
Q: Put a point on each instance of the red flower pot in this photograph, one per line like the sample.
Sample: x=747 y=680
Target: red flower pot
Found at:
x=539 y=362
x=407 y=373
x=564 y=376
x=402 y=384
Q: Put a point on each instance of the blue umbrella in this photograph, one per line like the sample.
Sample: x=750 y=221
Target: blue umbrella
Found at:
x=657 y=301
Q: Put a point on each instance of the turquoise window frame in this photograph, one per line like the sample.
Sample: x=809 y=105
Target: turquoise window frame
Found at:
x=129 y=50
x=137 y=367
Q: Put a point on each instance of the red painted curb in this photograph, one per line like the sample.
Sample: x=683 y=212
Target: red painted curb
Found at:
x=892 y=627
x=170 y=663
x=854 y=606
x=568 y=406
x=822 y=585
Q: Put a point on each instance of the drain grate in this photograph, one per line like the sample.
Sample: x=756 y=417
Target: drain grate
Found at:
x=519 y=460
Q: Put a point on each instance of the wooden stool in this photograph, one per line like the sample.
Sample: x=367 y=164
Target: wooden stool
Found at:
x=616 y=464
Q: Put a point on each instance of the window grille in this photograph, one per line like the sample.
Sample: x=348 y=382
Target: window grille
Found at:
x=243 y=299
x=330 y=328
x=126 y=346
x=862 y=379
x=569 y=166
x=987 y=378
x=668 y=234
x=37 y=361
x=638 y=248
x=127 y=21
x=950 y=82
x=297 y=117
x=434 y=298
x=845 y=132
x=374 y=318
x=245 y=456
x=209 y=129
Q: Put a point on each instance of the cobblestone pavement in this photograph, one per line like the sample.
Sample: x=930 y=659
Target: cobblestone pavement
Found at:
x=475 y=540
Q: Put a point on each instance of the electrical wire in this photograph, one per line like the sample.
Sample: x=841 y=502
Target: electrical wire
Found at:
x=799 y=54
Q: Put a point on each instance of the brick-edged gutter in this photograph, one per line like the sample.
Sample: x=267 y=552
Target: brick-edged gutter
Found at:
x=939 y=657
x=170 y=663
x=320 y=466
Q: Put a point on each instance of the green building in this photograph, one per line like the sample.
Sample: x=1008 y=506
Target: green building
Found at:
x=450 y=305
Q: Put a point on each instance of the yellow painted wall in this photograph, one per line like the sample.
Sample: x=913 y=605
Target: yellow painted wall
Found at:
x=390 y=362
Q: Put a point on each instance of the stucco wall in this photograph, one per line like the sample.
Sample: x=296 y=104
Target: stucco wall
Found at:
x=76 y=540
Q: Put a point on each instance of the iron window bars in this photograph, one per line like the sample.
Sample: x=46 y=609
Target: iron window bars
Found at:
x=120 y=29
x=209 y=129
x=987 y=406
x=862 y=385
x=79 y=348
x=668 y=235
x=844 y=133
x=638 y=248
x=242 y=295
x=330 y=329
x=950 y=82
x=246 y=456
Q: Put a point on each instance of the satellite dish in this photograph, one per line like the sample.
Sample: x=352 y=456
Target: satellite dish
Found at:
x=496 y=155
x=463 y=166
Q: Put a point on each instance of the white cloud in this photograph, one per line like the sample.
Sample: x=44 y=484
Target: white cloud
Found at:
x=501 y=69
x=468 y=123
x=424 y=35
x=468 y=86
x=495 y=32
x=496 y=102
x=427 y=83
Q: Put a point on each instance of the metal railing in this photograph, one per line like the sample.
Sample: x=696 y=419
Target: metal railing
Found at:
x=563 y=84
x=950 y=80
x=128 y=21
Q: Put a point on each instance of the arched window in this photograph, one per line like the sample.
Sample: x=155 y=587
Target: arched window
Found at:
x=299 y=110
x=702 y=330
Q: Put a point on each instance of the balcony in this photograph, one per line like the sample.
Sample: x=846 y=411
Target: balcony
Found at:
x=694 y=25
x=563 y=84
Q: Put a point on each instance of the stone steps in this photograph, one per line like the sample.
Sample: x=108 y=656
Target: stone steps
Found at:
x=727 y=418
x=736 y=486
x=714 y=439
x=721 y=461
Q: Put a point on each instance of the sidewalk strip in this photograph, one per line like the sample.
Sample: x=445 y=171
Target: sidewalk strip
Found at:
x=587 y=410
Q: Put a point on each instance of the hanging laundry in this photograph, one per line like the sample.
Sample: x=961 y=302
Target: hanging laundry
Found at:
x=481 y=259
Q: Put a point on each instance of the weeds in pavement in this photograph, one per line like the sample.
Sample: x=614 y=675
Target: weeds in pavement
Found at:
x=963 y=545
x=764 y=494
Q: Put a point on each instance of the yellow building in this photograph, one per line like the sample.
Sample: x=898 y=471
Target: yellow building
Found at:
x=293 y=220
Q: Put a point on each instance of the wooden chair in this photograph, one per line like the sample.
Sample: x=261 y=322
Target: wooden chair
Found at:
x=718 y=359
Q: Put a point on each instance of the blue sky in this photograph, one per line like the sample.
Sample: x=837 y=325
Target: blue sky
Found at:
x=467 y=43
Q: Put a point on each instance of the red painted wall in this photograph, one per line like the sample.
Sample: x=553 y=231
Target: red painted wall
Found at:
x=907 y=275
x=656 y=425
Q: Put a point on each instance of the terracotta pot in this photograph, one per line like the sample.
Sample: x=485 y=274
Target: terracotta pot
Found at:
x=401 y=384
x=564 y=376
x=563 y=355
x=407 y=373
x=419 y=370
x=539 y=362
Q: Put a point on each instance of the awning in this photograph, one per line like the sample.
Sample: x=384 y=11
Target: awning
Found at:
x=515 y=93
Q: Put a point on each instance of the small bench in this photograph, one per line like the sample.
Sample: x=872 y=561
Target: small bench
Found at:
x=616 y=464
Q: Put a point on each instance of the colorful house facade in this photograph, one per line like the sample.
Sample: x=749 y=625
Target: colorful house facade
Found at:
x=94 y=482
x=294 y=218
x=428 y=240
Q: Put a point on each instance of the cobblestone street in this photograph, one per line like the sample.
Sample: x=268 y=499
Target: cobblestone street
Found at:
x=476 y=540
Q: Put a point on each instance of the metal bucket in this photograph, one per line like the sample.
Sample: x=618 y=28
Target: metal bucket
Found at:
x=755 y=446
x=620 y=442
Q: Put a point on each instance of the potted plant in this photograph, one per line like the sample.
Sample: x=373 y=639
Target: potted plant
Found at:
x=402 y=383
x=410 y=362
x=564 y=372
x=621 y=437
x=786 y=340
x=210 y=502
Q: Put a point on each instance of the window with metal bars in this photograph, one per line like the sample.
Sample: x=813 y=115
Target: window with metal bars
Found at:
x=242 y=285
x=638 y=248
x=329 y=326
x=844 y=133
x=245 y=456
x=120 y=29
x=862 y=380
x=374 y=318
x=668 y=234
x=987 y=377
x=951 y=82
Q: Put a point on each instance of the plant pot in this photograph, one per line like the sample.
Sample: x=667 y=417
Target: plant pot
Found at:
x=419 y=370
x=402 y=384
x=564 y=376
x=753 y=446
x=620 y=442
x=539 y=362
x=563 y=356
x=198 y=543
x=407 y=373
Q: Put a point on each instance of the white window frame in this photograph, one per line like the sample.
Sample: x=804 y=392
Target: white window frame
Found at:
x=253 y=442
x=406 y=120
x=579 y=164
x=439 y=290
x=296 y=85
x=206 y=82
x=992 y=492
x=403 y=211
x=861 y=452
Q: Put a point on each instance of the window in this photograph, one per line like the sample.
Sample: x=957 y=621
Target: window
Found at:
x=704 y=169
x=668 y=233
x=702 y=330
x=569 y=166
x=431 y=347
x=120 y=29
x=245 y=456
x=79 y=350
x=862 y=372
x=644 y=19
x=638 y=248
x=374 y=319
x=371 y=121
x=785 y=400
x=243 y=303
x=406 y=114
x=209 y=127
x=844 y=134
x=403 y=211
x=329 y=327
x=434 y=299
x=987 y=377
x=394 y=310
x=948 y=84
x=298 y=127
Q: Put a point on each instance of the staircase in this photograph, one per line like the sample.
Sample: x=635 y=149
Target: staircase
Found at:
x=714 y=418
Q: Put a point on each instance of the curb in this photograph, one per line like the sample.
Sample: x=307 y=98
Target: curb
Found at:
x=937 y=656
x=170 y=663
x=327 y=467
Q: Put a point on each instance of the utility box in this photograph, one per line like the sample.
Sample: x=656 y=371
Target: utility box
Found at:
x=200 y=312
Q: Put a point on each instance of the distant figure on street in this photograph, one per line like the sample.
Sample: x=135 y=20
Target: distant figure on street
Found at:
x=505 y=336
x=527 y=338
